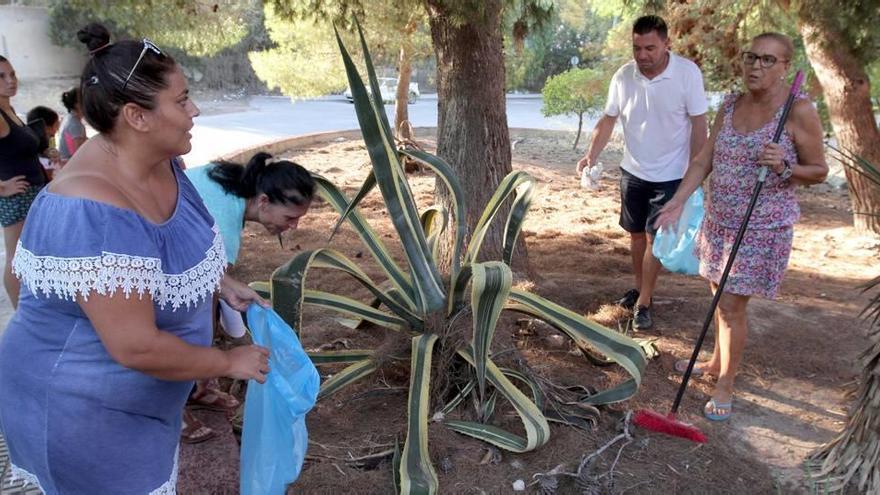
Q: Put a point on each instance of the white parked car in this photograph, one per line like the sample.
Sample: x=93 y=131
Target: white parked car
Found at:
x=388 y=88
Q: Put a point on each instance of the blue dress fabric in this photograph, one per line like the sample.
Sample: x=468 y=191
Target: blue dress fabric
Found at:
x=227 y=209
x=75 y=420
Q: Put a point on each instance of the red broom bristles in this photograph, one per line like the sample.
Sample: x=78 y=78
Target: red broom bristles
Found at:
x=653 y=421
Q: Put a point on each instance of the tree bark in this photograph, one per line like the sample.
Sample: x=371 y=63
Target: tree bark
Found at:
x=404 y=75
x=847 y=92
x=472 y=133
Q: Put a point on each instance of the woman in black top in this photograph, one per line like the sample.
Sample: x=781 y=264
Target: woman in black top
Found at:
x=21 y=174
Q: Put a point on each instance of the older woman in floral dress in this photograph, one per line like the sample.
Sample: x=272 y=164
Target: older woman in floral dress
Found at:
x=739 y=145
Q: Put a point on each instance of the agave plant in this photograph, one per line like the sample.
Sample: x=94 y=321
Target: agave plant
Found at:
x=851 y=461
x=858 y=165
x=422 y=304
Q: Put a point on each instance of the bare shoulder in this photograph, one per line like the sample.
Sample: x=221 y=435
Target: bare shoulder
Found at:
x=89 y=184
x=4 y=128
x=804 y=121
x=804 y=110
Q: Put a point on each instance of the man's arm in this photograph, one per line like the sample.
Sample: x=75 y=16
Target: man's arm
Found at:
x=598 y=140
x=699 y=129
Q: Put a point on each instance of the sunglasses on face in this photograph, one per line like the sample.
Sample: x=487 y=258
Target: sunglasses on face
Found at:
x=148 y=45
x=766 y=61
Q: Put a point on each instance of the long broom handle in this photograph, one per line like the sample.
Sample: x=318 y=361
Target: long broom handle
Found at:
x=762 y=175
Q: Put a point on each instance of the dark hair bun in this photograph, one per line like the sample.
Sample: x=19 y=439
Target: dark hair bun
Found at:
x=94 y=35
x=70 y=98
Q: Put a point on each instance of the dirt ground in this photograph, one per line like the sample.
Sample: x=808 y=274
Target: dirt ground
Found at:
x=791 y=394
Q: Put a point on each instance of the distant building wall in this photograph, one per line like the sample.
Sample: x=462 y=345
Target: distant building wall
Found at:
x=24 y=40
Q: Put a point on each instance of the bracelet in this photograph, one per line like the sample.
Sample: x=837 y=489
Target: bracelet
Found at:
x=786 y=170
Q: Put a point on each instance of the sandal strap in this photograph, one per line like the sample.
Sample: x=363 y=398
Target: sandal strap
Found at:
x=680 y=366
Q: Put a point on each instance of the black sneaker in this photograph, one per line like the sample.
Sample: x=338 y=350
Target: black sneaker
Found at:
x=629 y=299
x=642 y=319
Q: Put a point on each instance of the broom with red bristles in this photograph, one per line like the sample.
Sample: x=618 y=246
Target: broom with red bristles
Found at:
x=654 y=421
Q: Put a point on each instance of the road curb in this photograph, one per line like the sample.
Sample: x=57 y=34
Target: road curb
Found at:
x=276 y=146
x=279 y=145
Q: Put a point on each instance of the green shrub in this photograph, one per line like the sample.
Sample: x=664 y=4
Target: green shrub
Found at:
x=575 y=92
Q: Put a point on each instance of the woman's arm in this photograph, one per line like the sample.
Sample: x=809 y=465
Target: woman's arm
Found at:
x=128 y=331
x=699 y=168
x=239 y=295
x=806 y=128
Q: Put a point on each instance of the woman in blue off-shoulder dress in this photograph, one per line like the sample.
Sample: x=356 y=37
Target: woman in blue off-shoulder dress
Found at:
x=119 y=261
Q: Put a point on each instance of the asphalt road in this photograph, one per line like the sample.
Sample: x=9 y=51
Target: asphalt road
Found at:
x=271 y=118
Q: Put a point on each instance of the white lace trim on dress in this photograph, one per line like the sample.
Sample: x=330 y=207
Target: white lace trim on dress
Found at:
x=109 y=272
x=18 y=474
x=170 y=486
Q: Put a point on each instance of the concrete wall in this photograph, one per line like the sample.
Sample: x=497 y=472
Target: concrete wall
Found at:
x=24 y=40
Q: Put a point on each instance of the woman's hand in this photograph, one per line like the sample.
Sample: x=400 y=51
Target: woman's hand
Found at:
x=13 y=186
x=772 y=157
x=238 y=295
x=248 y=362
x=669 y=214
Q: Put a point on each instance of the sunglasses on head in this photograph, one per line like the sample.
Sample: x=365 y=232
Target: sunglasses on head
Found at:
x=148 y=45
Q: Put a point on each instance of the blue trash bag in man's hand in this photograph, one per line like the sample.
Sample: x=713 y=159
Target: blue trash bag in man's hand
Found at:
x=274 y=436
x=674 y=246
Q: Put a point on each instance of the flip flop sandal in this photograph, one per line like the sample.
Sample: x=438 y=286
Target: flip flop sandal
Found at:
x=715 y=406
x=194 y=431
x=213 y=400
x=682 y=365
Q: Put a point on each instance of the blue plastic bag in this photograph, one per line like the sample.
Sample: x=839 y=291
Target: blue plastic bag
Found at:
x=674 y=247
x=274 y=436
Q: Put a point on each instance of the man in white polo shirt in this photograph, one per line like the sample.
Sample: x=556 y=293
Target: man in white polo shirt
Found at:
x=660 y=101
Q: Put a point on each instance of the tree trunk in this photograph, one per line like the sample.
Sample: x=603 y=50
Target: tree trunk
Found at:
x=472 y=134
x=580 y=126
x=847 y=93
x=404 y=75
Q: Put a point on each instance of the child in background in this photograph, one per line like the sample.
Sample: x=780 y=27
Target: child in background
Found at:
x=73 y=132
x=44 y=121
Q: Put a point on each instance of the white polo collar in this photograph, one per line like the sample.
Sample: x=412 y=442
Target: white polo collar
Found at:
x=666 y=74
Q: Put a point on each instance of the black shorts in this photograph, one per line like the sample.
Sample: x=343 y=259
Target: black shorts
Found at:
x=640 y=202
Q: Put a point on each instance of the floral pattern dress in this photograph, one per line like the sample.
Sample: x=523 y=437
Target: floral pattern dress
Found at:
x=763 y=254
x=75 y=420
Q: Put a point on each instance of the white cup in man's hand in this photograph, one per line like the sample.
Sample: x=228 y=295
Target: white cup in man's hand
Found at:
x=591 y=175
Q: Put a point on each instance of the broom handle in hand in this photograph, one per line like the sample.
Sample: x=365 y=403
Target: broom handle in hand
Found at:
x=762 y=175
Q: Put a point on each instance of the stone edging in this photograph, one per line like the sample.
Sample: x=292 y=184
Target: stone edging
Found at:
x=282 y=144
